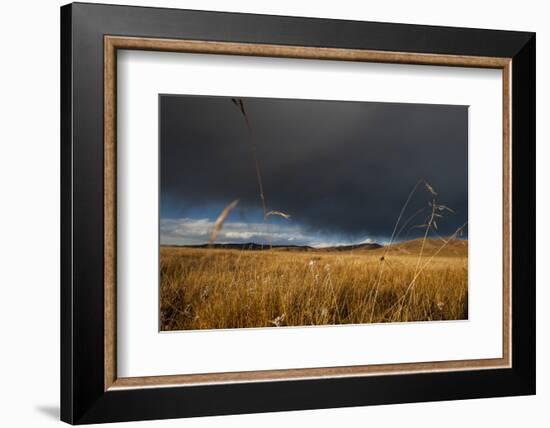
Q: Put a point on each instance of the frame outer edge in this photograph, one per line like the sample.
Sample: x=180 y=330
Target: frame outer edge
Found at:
x=524 y=215
x=83 y=397
x=66 y=181
x=231 y=27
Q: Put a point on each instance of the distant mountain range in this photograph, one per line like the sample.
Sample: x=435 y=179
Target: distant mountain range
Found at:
x=454 y=247
x=258 y=247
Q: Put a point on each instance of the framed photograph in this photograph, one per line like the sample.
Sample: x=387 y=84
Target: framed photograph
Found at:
x=266 y=213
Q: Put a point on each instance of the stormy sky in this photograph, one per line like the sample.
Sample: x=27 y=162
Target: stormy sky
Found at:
x=341 y=170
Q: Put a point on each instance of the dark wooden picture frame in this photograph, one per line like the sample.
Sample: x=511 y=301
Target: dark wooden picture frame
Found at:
x=90 y=389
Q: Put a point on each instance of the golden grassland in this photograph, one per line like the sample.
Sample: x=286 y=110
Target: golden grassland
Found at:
x=207 y=288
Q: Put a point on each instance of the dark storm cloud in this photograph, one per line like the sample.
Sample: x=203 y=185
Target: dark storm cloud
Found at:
x=337 y=167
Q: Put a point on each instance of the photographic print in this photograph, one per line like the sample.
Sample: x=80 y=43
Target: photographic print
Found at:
x=289 y=212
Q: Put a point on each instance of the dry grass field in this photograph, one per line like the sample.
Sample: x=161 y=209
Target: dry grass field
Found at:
x=209 y=288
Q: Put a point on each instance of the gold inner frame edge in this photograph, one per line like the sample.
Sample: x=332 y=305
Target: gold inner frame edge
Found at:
x=113 y=43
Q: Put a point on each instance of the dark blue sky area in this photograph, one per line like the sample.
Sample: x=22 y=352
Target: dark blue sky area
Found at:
x=341 y=170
